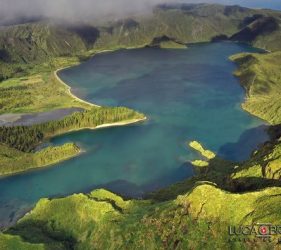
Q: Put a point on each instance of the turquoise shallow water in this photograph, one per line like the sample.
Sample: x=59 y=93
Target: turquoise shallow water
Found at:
x=187 y=95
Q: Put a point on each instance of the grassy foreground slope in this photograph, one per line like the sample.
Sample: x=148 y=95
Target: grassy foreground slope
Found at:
x=16 y=243
x=260 y=75
x=198 y=219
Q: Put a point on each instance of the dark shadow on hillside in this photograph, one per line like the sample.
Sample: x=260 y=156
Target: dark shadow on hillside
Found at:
x=248 y=141
x=127 y=24
x=262 y=26
x=219 y=38
x=274 y=132
x=248 y=184
x=219 y=171
x=5 y=56
x=250 y=19
x=217 y=174
x=87 y=33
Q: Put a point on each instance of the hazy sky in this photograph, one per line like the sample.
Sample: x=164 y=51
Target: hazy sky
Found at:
x=271 y=4
x=10 y=9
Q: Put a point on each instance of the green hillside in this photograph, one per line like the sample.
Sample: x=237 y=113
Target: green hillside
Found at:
x=193 y=214
x=260 y=75
x=101 y=220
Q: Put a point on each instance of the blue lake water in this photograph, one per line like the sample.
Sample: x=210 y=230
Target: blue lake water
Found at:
x=187 y=95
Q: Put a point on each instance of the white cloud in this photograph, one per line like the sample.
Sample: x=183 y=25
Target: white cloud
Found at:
x=73 y=8
x=81 y=9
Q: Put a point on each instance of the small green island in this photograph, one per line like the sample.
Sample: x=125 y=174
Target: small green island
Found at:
x=205 y=153
x=195 y=213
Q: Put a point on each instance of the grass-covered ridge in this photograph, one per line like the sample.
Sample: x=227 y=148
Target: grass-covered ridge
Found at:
x=260 y=75
x=102 y=220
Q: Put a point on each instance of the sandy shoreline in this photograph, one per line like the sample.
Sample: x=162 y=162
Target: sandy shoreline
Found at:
x=106 y=125
x=69 y=88
x=123 y=123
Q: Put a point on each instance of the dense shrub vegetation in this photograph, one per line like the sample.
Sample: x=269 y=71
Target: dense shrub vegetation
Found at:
x=25 y=138
x=17 y=144
x=21 y=138
x=15 y=161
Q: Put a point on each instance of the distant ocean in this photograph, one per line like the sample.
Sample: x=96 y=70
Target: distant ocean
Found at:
x=273 y=4
x=267 y=4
